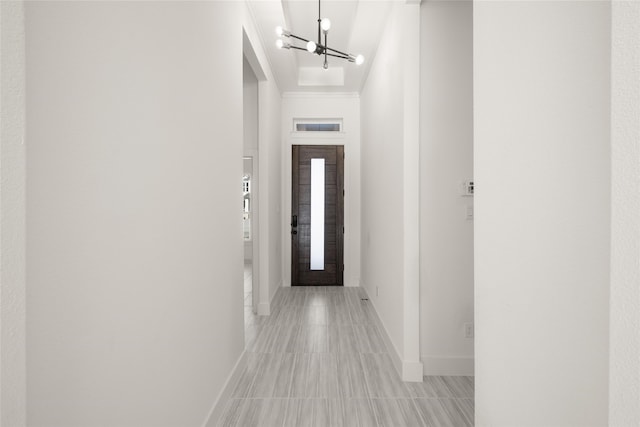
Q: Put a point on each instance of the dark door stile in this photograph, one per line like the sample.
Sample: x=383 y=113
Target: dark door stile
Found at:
x=301 y=274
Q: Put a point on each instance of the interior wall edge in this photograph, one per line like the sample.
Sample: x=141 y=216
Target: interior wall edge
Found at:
x=13 y=402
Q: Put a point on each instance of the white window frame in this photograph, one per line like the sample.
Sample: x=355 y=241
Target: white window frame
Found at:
x=300 y=121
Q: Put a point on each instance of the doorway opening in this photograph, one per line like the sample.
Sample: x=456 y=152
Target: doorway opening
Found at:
x=248 y=232
x=250 y=197
x=317 y=215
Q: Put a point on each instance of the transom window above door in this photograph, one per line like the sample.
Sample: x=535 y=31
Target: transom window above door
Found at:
x=317 y=125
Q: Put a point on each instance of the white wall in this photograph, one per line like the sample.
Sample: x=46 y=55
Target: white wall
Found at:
x=542 y=172
x=382 y=133
x=325 y=106
x=446 y=160
x=250 y=106
x=624 y=350
x=12 y=222
x=390 y=185
x=134 y=248
x=271 y=272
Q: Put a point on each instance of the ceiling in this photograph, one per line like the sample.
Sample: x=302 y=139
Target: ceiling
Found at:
x=356 y=27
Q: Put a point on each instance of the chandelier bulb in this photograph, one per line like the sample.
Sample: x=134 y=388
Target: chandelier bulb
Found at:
x=359 y=59
x=311 y=46
x=281 y=32
x=325 y=24
x=279 y=44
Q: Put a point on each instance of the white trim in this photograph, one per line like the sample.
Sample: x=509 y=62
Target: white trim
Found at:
x=409 y=371
x=316 y=95
x=317 y=120
x=252 y=58
x=263 y=255
x=448 y=365
x=412 y=371
x=391 y=348
x=300 y=137
x=411 y=187
x=355 y=284
x=260 y=58
x=225 y=394
x=264 y=309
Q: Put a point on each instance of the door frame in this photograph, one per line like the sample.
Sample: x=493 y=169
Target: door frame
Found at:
x=351 y=211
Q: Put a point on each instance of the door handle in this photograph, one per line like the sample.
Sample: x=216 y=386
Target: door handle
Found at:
x=294 y=221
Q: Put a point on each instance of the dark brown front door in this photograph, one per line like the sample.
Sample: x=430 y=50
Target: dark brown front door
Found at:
x=317 y=215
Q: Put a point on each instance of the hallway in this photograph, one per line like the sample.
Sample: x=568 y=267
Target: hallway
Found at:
x=320 y=360
x=491 y=188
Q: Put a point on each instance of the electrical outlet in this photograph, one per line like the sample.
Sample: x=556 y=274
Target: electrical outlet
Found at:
x=468 y=330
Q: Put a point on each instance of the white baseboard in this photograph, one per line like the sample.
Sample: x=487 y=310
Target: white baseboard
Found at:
x=391 y=348
x=412 y=371
x=264 y=309
x=225 y=394
x=448 y=365
x=352 y=284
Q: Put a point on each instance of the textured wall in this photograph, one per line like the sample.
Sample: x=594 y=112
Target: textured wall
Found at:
x=542 y=230
x=624 y=375
x=12 y=221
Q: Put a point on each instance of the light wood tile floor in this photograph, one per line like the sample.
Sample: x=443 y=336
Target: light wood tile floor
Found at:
x=320 y=360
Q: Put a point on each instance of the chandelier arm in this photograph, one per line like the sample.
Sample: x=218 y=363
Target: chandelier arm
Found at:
x=325 y=48
x=337 y=51
x=296 y=47
x=337 y=56
x=299 y=38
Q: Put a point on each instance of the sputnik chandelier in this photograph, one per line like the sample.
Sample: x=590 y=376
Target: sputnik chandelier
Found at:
x=324 y=24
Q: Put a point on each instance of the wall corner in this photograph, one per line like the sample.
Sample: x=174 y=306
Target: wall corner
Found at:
x=411 y=185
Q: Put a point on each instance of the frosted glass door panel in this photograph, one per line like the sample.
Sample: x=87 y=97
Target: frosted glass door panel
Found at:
x=317 y=214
